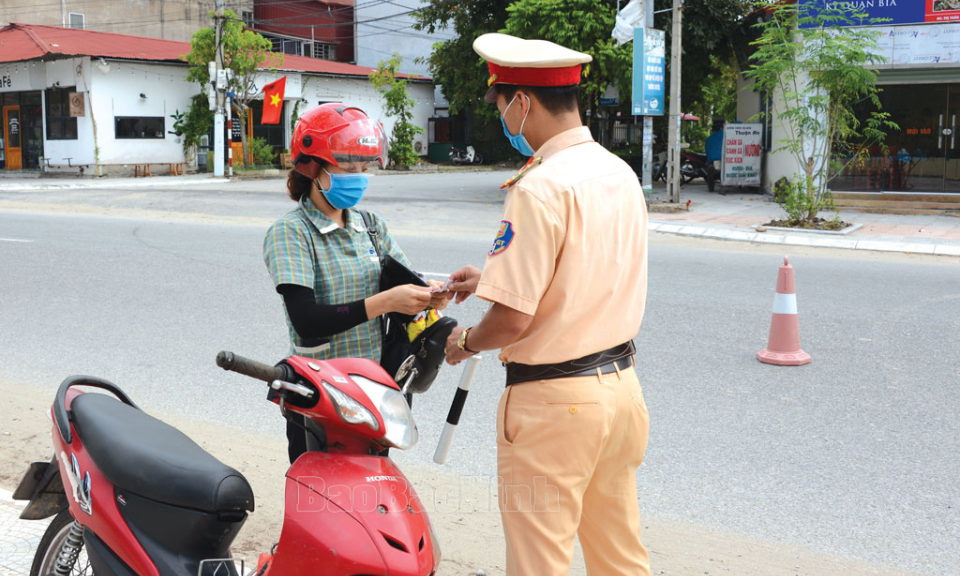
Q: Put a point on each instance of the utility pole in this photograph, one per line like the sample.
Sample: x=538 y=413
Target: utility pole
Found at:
x=219 y=85
x=673 y=152
x=647 y=138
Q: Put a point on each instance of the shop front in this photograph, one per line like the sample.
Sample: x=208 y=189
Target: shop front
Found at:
x=923 y=156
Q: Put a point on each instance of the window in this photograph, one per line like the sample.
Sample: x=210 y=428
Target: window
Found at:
x=247 y=17
x=292 y=47
x=60 y=126
x=76 y=21
x=325 y=51
x=138 y=127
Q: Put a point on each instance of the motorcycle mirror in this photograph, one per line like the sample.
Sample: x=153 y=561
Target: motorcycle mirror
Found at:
x=405 y=368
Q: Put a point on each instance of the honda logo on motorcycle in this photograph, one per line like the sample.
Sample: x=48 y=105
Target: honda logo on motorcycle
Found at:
x=381 y=478
x=79 y=485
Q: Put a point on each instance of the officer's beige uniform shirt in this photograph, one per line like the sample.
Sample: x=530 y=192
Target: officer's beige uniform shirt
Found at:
x=572 y=252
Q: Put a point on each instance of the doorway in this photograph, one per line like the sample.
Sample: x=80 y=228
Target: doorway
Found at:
x=11 y=138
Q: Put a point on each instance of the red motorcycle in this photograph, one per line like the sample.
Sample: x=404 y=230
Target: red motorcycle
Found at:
x=132 y=496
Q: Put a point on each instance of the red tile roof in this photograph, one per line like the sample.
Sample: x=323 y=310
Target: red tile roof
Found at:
x=20 y=42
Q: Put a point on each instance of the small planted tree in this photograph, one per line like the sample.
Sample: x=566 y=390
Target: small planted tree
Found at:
x=815 y=69
x=193 y=124
x=400 y=106
x=244 y=53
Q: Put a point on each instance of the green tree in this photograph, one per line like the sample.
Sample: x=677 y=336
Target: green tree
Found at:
x=585 y=26
x=193 y=124
x=400 y=106
x=710 y=29
x=817 y=68
x=461 y=74
x=245 y=53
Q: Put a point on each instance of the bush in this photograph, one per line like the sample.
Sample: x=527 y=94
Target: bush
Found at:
x=800 y=200
x=263 y=153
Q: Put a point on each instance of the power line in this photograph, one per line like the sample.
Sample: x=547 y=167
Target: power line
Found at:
x=75 y=7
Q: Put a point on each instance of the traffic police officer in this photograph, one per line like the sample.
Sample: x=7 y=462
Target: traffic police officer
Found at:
x=567 y=276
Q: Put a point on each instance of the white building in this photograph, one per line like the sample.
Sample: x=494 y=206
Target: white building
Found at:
x=106 y=101
x=920 y=83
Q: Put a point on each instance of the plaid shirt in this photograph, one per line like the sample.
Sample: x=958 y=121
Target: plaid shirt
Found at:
x=339 y=264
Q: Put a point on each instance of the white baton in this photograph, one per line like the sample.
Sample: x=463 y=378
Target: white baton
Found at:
x=453 y=417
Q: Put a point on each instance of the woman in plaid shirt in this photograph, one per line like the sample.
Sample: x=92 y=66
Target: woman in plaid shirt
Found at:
x=320 y=255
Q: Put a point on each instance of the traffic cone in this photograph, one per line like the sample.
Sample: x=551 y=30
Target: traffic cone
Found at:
x=783 y=347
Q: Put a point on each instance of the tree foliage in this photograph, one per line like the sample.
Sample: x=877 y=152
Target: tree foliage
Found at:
x=817 y=72
x=454 y=65
x=193 y=124
x=399 y=105
x=582 y=25
x=245 y=53
x=710 y=28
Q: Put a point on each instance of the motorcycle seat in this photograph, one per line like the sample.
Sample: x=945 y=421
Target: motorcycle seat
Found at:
x=140 y=454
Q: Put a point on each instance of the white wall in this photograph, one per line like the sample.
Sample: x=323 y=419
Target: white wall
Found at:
x=360 y=93
x=22 y=76
x=72 y=72
x=117 y=93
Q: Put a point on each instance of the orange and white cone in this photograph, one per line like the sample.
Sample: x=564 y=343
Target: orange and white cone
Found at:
x=783 y=347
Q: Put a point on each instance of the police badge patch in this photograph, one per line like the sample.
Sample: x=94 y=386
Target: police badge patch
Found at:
x=504 y=238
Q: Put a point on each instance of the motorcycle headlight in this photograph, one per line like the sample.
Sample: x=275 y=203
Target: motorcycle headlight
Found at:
x=401 y=429
x=349 y=409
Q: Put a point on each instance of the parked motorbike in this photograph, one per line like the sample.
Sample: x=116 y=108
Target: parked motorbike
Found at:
x=133 y=496
x=659 y=166
x=468 y=155
x=694 y=165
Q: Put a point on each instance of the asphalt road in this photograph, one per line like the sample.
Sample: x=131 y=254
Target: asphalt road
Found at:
x=855 y=454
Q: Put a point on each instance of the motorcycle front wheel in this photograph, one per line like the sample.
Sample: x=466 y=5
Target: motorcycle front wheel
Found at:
x=61 y=531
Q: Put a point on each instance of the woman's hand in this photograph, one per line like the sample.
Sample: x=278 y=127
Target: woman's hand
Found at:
x=463 y=283
x=408 y=299
x=438 y=300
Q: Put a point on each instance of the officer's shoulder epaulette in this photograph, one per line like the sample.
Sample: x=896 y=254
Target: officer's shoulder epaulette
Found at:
x=532 y=163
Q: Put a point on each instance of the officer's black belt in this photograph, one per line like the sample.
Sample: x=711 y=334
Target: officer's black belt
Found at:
x=608 y=361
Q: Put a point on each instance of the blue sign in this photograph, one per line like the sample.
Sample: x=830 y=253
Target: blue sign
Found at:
x=885 y=12
x=649 y=65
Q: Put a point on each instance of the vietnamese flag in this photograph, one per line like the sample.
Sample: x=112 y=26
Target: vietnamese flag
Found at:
x=273 y=101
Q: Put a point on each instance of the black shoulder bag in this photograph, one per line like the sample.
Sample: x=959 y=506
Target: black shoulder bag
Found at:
x=400 y=357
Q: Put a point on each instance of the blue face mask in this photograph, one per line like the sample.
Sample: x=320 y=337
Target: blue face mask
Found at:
x=346 y=190
x=519 y=141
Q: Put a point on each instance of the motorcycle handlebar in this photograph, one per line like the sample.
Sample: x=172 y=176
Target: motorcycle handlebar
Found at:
x=252 y=368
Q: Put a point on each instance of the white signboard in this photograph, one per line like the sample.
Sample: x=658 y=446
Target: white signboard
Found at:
x=923 y=45
x=742 y=154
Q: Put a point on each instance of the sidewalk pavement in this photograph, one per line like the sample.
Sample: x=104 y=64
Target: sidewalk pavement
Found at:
x=37 y=184
x=18 y=538
x=736 y=216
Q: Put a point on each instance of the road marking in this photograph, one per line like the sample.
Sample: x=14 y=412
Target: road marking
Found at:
x=436 y=274
x=14 y=240
x=6 y=496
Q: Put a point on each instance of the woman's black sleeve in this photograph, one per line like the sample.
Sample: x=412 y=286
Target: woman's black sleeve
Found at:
x=312 y=320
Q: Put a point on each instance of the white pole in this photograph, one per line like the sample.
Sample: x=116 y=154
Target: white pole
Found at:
x=453 y=417
x=647 y=139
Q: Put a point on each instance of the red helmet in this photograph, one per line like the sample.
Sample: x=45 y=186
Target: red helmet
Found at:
x=334 y=133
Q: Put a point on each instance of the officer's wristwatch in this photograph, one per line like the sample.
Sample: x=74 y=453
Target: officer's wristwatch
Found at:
x=462 y=342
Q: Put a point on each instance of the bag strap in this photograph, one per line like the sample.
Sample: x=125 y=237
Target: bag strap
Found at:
x=375 y=238
x=373 y=232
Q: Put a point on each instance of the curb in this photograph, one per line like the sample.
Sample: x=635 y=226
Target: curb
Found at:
x=842 y=243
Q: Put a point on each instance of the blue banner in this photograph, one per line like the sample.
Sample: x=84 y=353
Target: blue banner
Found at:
x=891 y=12
x=648 y=72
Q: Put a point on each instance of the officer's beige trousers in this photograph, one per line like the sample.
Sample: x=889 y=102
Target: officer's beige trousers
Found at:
x=567 y=453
